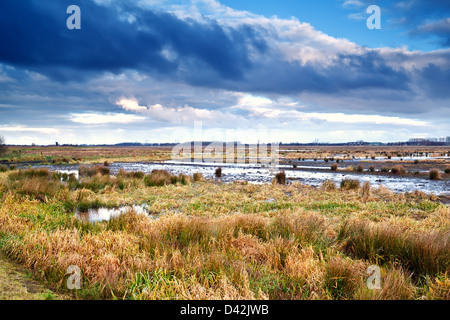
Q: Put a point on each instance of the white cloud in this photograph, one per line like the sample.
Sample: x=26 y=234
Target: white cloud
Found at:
x=130 y=105
x=28 y=129
x=98 y=118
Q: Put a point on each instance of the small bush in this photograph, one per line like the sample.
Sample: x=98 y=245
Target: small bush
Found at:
x=350 y=184
x=106 y=164
x=398 y=169
x=384 y=169
x=3 y=168
x=416 y=161
x=372 y=169
x=435 y=174
x=447 y=170
x=360 y=168
x=218 y=172
x=334 y=167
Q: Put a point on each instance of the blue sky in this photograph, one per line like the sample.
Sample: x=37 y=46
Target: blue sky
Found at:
x=149 y=70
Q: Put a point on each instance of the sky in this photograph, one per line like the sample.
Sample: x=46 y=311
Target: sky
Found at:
x=160 y=70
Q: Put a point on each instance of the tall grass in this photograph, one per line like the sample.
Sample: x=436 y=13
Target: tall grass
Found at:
x=425 y=253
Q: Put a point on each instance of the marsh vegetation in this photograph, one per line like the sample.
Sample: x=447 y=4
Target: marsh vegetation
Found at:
x=214 y=240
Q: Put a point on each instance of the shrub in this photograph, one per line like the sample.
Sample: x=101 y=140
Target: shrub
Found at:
x=447 y=170
x=3 y=168
x=372 y=169
x=398 y=169
x=349 y=184
x=218 y=172
x=435 y=174
x=106 y=164
x=416 y=161
x=384 y=169
x=360 y=168
x=334 y=167
x=280 y=177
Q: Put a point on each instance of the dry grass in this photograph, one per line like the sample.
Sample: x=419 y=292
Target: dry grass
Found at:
x=227 y=241
x=398 y=169
x=280 y=178
x=350 y=184
x=435 y=174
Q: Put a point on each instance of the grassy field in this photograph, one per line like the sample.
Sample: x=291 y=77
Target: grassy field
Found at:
x=209 y=240
x=76 y=154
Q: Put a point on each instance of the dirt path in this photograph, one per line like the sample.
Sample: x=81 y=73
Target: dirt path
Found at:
x=17 y=284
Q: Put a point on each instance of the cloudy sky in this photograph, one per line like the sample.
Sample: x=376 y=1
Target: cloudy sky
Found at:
x=151 y=70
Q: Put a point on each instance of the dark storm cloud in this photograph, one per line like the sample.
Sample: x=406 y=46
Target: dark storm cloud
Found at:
x=349 y=72
x=34 y=35
x=121 y=37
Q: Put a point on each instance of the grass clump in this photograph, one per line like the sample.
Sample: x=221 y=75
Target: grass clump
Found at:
x=447 y=170
x=159 y=178
x=280 y=178
x=435 y=174
x=350 y=184
x=198 y=176
x=398 y=169
x=90 y=171
x=39 y=183
x=328 y=185
x=218 y=172
x=131 y=175
x=334 y=167
x=425 y=253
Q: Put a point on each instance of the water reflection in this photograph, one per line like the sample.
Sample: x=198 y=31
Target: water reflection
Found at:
x=106 y=214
